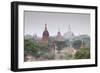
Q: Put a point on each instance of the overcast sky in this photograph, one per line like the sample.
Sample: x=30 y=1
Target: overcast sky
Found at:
x=34 y=23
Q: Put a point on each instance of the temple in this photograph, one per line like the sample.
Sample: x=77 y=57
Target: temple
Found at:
x=69 y=34
x=45 y=35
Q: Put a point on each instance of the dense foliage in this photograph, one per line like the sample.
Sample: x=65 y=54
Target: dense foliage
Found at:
x=77 y=44
x=83 y=53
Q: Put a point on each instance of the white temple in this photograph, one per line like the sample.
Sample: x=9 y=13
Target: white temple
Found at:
x=69 y=34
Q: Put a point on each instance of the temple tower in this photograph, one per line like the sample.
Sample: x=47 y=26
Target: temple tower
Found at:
x=45 y=35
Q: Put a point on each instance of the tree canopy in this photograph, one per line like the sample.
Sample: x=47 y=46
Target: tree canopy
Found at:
x=83 y=53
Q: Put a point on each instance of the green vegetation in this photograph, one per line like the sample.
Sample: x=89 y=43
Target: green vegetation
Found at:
x=83 y=53
x=31 y=47
x=43 y=51
x=60 y=45
x=77 y=44
x=36 y=50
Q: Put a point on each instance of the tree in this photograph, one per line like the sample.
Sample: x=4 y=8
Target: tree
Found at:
x=60 y=44
x=83 y=53
x=31 y=47
x=67 y=43
x=34 y=48
x=77 y=44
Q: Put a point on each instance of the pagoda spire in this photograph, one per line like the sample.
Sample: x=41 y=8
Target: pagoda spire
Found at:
x=45 y=35
x=45 y=26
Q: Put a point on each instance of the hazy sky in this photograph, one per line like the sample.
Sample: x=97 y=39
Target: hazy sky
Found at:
x=34 y=23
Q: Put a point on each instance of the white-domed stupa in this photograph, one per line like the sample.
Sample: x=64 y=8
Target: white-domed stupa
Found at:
x=69 y=34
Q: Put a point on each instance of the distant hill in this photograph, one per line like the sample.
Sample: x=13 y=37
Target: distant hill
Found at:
x=80 y=37
x=85 y=38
